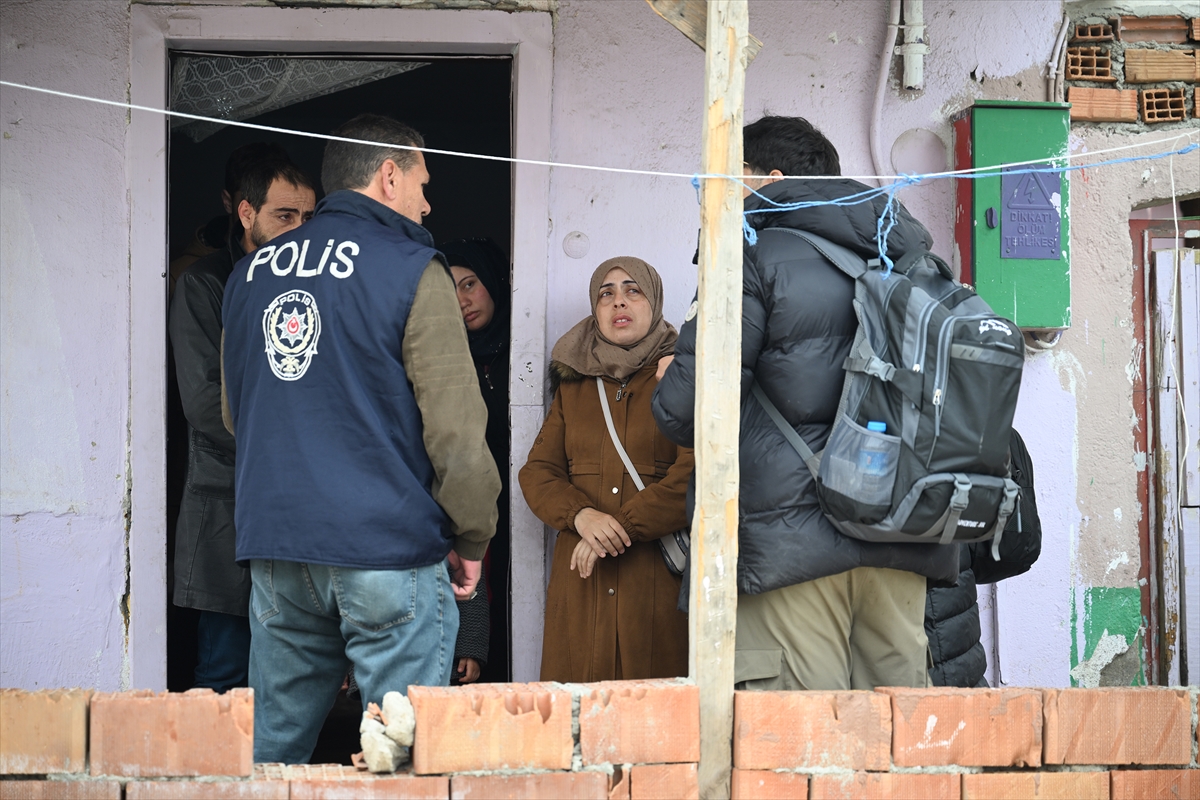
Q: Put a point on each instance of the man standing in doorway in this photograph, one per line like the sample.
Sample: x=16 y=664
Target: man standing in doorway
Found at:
x=816 y=609
x=367 y=495
x=273 y=197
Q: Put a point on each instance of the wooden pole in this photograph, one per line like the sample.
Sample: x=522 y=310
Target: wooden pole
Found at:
x=713 y=596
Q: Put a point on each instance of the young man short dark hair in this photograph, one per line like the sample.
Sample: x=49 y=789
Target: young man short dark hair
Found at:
x=816 y=609
x=207 y=577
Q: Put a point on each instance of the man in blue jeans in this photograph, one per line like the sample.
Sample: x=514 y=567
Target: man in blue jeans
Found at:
x=366 y=492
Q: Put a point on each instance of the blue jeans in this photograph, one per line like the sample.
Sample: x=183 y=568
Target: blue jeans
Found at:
x=223 y=651
x=309 y=623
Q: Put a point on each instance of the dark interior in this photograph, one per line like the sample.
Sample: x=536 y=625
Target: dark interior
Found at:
x=461 y=104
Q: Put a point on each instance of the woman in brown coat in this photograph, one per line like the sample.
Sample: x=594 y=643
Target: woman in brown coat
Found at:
x=611 y=604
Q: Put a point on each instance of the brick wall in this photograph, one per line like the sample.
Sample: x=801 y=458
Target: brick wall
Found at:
x=1139 y=70
x=626 y=740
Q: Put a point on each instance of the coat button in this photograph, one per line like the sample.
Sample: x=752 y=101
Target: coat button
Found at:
x=612 y=591
x=614 y=490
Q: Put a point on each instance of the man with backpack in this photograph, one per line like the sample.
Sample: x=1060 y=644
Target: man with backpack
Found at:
x=826 y=600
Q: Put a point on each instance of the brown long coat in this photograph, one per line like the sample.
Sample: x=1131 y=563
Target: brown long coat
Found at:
x=621 y=622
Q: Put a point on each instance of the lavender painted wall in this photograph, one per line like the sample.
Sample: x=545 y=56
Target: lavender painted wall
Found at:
x=627 y=92
x=64 y=362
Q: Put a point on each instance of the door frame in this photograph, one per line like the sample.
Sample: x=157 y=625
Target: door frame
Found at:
x=156 y=30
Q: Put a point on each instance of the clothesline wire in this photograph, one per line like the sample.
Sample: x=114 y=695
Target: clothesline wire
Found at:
x=905 y=179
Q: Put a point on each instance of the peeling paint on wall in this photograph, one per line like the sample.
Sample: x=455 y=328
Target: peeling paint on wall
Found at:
x=1110 y=637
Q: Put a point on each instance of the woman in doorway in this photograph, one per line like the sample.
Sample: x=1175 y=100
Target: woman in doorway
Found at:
x=481 y=275
x=611 y=604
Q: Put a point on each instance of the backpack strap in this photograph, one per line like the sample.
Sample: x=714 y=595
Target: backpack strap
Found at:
x=843 y=258
x=1011 y=494
x=958 y=504
x=862 y=358
x=812 y=460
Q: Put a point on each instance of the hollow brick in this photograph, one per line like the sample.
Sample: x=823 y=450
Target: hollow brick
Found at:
x=765 y=784
x=207 y=790
x=885 y=786
x=969 y=727
x=542 y=786
x=199 y=732
x=1153 y=784
x=491 y=726
x=60 y=790
x=43 y=732
x=1107 y=726
x=664 y=782
x=797 y=730
x=647 y=722
x=1035 y=786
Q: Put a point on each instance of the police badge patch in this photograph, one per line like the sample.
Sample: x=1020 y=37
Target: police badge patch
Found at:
x=291 y=326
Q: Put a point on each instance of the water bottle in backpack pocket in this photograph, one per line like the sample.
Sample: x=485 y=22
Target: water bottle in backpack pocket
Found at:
x=860 y=463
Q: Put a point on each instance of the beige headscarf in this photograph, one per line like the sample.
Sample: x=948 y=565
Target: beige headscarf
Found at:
x=585 y=350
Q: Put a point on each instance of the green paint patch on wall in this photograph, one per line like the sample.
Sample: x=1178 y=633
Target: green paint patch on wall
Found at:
x=1112 y=633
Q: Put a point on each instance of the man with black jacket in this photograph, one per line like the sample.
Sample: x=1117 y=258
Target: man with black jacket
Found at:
x=816 y=609
x=274 y=198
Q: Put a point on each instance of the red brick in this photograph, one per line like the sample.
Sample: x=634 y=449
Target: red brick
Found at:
x=1163 y=29
x=970 y=727
x=199 y=732
x=763 y=784
x=1147 y=725
x=1035 y=786
x=371 y=787
x=796 y=730
x=1103 y=105
x=43 y=732
x=885 y=786
x=664 y=782
x=1152 y=784
x=646 y=722
x=543 y=786
x=491 y=726
x=60 y=790
x=207 y=790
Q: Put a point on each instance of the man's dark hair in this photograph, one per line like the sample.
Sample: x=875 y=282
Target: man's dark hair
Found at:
x=789 y=144
x=242 y=158
x=351 y=166
x=258 y=177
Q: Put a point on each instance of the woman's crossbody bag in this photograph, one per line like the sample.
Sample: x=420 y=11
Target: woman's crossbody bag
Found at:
x=674 y=545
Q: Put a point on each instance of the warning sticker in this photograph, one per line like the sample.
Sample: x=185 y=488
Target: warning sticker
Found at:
x=1030 y=214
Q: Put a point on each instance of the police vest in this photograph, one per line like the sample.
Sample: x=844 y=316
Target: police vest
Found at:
x=331 y=465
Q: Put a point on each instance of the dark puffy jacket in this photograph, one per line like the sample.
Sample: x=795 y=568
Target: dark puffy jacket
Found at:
x=206 y=574
x=797 y=327
x=952 y=613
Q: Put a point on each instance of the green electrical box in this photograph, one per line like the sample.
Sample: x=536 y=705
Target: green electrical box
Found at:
x=1011 y=230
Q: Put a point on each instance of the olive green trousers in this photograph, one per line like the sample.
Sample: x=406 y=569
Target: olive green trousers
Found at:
x=855 y=630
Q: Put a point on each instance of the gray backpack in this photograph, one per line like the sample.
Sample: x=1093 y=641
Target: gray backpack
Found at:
x=919 y=449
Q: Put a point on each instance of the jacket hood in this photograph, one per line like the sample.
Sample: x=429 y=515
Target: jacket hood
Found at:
x=852 y=226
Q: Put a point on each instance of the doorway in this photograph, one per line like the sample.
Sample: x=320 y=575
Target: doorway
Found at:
x=156 y=30
x=1165 y=241
x=461 y=103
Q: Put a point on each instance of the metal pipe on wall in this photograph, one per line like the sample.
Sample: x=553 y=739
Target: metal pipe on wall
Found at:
x=914 y=48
